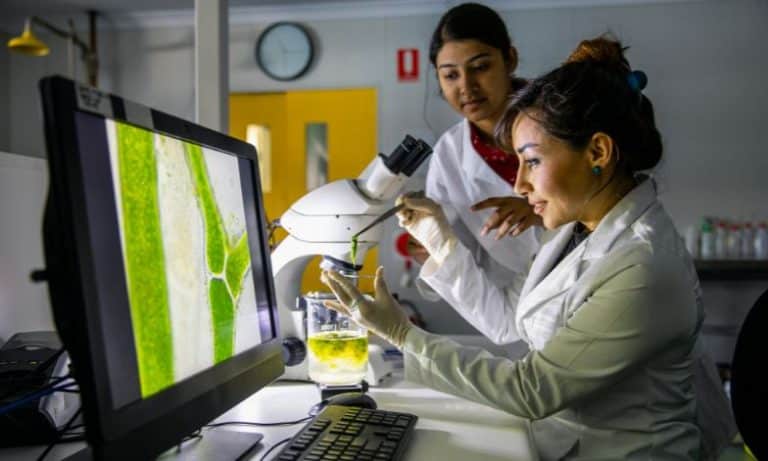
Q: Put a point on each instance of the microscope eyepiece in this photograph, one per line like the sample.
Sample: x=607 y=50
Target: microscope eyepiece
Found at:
x=407 y=156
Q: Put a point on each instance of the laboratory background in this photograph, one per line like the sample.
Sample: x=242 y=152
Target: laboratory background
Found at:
x=367 y=83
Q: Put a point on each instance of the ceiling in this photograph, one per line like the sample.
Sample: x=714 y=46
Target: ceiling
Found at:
x=54 y=7
x=13 y=12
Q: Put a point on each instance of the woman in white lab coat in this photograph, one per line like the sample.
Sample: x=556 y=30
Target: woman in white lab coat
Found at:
x=475 y=63
x=610 y=307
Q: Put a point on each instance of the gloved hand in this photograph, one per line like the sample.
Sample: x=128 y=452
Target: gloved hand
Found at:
x=424 y=219
x=513 y=215
x=382 y=315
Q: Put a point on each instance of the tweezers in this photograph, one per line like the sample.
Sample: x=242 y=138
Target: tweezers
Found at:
x=381 y=218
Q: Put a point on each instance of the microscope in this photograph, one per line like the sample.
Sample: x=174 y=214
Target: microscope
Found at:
x=323 y=223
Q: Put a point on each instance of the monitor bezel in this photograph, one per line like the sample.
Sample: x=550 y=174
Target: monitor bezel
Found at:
x=148 y=426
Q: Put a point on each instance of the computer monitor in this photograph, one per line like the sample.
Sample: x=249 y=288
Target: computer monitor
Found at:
x=158 y=268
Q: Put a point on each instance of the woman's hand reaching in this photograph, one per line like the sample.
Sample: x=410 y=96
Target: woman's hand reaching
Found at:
x=382 y=315
x=513 y=215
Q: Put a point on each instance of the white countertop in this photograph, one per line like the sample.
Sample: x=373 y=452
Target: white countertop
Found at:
x=449 y=428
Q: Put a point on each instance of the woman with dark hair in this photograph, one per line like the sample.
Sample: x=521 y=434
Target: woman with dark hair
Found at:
x=475 y=62
x=622 y=374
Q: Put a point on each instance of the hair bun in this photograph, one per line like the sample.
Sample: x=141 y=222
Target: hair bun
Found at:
x=600 y=49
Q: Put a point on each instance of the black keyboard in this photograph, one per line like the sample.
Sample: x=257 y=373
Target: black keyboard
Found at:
x=340 y=433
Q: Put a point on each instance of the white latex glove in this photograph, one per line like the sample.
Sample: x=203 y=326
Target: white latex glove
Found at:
x=382 y=315
x=425 y=220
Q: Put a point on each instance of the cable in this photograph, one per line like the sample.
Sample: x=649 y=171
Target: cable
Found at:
x=72 y=438
x=37 y=395
x=196 y=435
x=264 y=456
x=49 y=361
x=248 y=423
x=295 y=381
x=244 y=455
x=59 y=435
x=70 y=391
x=19 y=386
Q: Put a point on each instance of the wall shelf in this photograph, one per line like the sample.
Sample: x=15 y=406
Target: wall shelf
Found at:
x=732 y=270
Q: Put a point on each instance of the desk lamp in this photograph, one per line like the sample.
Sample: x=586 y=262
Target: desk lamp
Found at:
x=27 y=43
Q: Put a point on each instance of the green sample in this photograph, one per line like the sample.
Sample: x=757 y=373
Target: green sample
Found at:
x=228 y=259
x=339 y=349
x=144 y=258
x=353 y=250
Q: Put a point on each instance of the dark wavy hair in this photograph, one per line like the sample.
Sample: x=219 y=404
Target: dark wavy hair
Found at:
x=470 y=21
x=590 y=93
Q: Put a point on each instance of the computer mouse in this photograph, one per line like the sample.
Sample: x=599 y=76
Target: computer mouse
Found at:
x=349 y=399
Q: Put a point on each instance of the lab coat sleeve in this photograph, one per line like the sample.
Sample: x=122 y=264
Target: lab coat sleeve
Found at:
x=466 y=287
x=442 y=163
x=435 y=187
x=633 y=315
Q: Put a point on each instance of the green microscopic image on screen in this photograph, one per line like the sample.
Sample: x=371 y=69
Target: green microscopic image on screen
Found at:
x=185 y=253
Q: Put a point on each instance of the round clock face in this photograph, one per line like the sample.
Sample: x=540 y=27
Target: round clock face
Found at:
x=284 y=51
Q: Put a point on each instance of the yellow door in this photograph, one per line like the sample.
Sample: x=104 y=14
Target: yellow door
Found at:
x=349 y=116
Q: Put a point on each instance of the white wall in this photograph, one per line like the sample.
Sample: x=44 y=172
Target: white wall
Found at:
x=24 y=305
x=706 y=62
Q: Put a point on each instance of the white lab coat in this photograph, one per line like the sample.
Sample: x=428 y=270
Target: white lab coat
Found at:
x=458 y=178
x=616 y=369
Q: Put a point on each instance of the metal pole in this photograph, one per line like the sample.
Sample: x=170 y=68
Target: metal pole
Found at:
x=212 y=64
x=88 y=51
x=92 y=59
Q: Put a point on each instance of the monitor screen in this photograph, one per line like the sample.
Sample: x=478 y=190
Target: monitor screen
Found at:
x=156 y=228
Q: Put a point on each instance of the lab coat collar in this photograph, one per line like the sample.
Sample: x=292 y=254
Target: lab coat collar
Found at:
x=473 y=165
x=621 y=217
x=545 y=282
x=545 y=259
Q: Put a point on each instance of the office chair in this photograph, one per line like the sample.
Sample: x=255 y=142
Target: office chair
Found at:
x=749 y=391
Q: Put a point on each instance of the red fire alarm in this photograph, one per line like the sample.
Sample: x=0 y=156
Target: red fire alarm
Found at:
x=407 y=64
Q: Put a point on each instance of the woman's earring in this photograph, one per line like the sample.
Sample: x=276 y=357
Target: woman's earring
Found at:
x=596 y=170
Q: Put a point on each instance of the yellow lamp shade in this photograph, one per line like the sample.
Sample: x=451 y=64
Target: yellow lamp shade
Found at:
x=27 y=43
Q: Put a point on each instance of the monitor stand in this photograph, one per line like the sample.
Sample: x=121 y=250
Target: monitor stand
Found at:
x=219 y=443
x=327 y=390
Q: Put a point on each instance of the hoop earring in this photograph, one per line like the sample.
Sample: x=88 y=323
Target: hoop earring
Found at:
x=596 y=170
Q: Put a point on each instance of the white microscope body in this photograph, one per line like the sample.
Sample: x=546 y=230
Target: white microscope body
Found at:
x=323 y=223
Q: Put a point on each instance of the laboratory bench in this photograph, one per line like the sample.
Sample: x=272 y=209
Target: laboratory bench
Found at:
x=449 y=428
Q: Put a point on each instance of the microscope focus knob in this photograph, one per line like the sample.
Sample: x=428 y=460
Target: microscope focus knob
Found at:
x=294 y=351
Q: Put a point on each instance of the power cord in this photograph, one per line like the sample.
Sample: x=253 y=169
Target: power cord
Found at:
x=282 y=442
x=58 y=438
x=18 y=383
x=272 y=448
x=198 y=434
x=248 y=423
x=49 y=389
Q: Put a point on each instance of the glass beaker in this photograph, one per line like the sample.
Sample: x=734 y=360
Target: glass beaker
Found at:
x=338 y=347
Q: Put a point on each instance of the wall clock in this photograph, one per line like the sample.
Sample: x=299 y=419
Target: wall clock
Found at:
x=285 y=51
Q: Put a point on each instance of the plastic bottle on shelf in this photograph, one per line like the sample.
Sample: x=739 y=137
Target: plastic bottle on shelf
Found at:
x=707 y=248
x=721 y=240
x=747 y=241
x=761 y=241
x=733 y=242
